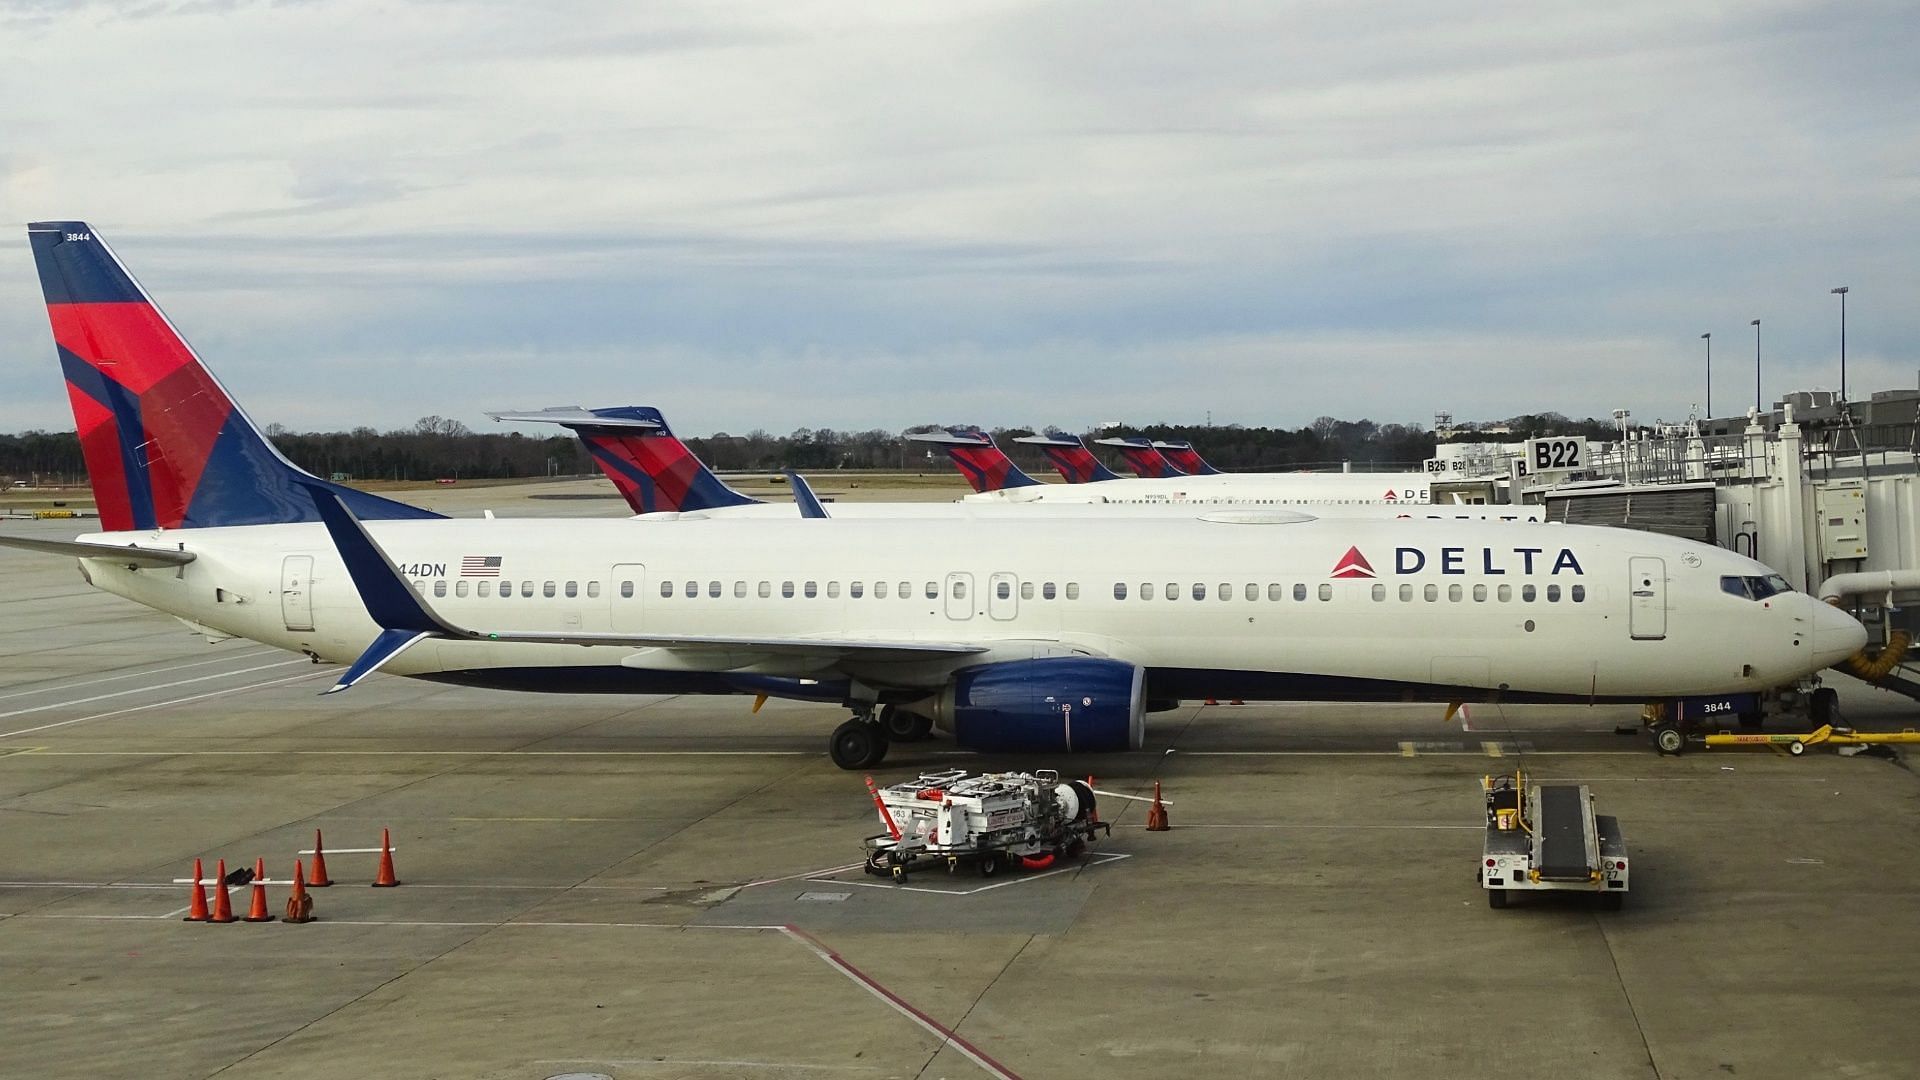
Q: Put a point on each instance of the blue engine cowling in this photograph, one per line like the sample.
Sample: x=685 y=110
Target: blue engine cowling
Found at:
x=1056 y=703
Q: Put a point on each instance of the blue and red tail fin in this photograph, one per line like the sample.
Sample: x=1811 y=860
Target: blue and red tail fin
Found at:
x=1182 y=456
x=1142 y=458
x=651 y=467
x=165 y=445
x=984 y=465
x=1071 y=458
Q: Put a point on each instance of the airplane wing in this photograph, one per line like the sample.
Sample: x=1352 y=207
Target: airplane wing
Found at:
x=406 y=619
x=130 y=554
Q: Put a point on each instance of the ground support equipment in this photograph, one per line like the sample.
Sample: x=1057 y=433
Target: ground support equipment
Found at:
x=1546 y=837
x=995 y=821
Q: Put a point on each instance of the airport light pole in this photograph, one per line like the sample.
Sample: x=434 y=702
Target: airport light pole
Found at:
x=1756 y=367
x=1841 y=292
x=1708 y=338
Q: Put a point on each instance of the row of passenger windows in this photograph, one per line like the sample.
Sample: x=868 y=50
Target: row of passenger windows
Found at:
x=486 y=588
x=879 y=590
x=1003 y=590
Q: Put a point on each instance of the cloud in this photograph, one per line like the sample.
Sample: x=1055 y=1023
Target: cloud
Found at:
x=820 y=214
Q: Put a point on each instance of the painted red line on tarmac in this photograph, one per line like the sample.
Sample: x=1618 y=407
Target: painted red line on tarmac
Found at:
x=975 y=1054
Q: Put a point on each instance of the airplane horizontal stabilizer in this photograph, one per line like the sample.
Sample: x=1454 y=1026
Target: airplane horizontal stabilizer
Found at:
x=128 y=554
x=389 y=644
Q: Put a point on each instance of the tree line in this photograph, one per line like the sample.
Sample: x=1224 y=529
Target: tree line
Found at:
x=436 y=447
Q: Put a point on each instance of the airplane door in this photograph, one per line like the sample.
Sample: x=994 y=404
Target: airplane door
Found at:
x=296 y=592
x=1003 y=599
x=1647 y=617
x=959 y=596
x=626 y=584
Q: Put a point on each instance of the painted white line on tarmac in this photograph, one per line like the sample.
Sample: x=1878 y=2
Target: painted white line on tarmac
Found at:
x=138 y=674
x=144 y=689
x=175 y=701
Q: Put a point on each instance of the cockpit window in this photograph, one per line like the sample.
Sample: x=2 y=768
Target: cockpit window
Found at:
x=1755 y=588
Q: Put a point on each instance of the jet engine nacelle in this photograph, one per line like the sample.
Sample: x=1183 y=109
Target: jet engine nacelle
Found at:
x=1055 y=703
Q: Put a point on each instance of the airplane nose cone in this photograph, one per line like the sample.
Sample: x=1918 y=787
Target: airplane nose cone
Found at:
x=1836 y=634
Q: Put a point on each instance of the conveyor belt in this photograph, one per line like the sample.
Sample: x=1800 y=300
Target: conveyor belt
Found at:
x=1563 y=834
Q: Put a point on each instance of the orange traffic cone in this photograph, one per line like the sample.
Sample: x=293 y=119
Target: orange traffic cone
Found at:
x=1213 y=701
x=385 y=879
x=257 y=909
x=222 y=905
x=197 y=910
x=299 y=904
x=1157 y=813
x=1236 y=701
x=320 y=878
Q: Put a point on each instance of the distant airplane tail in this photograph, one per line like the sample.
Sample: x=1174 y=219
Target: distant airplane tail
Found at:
x=1071 y=457
x=984 y=465
x=165 y=445
x=651 y=467
x=1182 y=456
x=1145 y=461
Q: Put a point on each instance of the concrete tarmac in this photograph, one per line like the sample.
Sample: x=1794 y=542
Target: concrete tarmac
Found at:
x=660 y=887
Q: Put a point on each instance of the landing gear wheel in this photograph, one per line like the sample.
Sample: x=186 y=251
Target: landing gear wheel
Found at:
x=1824 y=704
x=857 y=744
x=903 y=726
x=1669 y=739
x=1496 y=898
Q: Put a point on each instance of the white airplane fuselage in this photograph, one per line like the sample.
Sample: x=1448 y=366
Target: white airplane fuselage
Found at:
x=1242 y=489
x=1433 y=610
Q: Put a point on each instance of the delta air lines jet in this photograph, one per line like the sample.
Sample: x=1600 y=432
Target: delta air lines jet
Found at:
x=1010 y=634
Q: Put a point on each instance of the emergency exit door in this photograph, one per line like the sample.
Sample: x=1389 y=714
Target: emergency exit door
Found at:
x=296 y=592
x=1647 y=614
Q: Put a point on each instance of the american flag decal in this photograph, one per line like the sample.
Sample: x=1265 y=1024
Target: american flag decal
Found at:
x=479 y=566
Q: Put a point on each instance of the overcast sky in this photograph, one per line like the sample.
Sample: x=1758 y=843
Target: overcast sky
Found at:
x=847 y=215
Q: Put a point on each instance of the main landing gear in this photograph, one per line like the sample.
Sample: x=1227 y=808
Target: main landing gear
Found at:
x=860 y=743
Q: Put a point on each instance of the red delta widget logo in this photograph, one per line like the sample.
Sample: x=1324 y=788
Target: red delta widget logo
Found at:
x=1524 y=561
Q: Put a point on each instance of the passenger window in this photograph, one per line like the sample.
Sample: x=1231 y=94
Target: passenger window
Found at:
x=526 y=590
x=1225 y=592
x=573 y=589
x=1253 y=591
x=459 y=588
x=1026 y=591
x=1146 y=590
x=1526 y=593
x=1579 y=594
x=483 y=589
x=786 y=589
x=1326 y=592
x=626 y=589
x=856 y=589
x=766 y=589
x=1379 y=591
x=906 y=590
x=1553 y=594
x=1505 y=592
x=1406 y=592
x=1073 y=590
x=959 y=589
x=439 y=588
x=713 y=590
x=1199 y=591
x=506 y=588
x=1004 y=590
x=1479 y=594
x=1299 y=592
x=933 y=590
x=593 y=589
x=879 y=590
x=1276 y=592
x=812 y=590
x=547 y=589
x=419 y=586
x=693 y=589
x=1119 y=590
x=1454 y=593
x=1431 y=592
x=666 y=590
x=739 y=590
